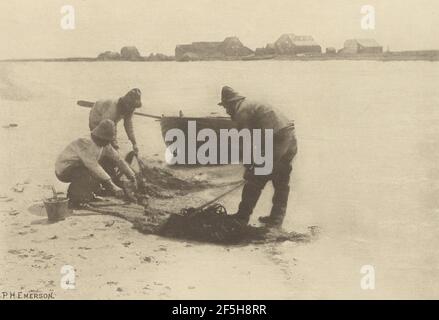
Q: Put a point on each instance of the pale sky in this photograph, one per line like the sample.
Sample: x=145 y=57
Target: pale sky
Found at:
x=31 y=29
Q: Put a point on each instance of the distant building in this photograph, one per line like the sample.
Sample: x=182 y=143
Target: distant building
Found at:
x=291 y=44
x=231 y=47
x=331 y=50
x=361 y=46
x=159 y=57
x=109 y=55
x=270 y=49
x=126 y=54
x=130 y=54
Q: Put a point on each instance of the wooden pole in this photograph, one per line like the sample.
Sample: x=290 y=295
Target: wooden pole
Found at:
x=88 y=104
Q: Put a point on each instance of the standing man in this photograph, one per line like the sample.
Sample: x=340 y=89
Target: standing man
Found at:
x=254 y=115
x=115 y=110
x=87 y=163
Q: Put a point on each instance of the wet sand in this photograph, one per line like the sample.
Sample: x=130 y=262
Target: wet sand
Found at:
x=366 y=174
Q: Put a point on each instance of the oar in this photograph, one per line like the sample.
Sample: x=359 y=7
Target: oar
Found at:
x=88 y=104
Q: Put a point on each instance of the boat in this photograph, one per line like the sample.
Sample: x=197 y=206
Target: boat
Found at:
x=258 y=57
x=216 y=123
x=199 y=123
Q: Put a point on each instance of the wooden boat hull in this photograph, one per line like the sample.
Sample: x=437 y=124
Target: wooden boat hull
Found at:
x=257 y=58
x=214 y=123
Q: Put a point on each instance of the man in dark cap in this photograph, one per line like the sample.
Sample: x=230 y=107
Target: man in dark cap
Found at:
x=115 y=110
x=81 y=165
x=255 y=115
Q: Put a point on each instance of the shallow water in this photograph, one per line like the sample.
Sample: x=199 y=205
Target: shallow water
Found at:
x=366 y=172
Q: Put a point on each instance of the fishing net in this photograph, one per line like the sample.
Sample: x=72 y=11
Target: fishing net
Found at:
x=166 y=207
x=160 y=183
x=211 y=224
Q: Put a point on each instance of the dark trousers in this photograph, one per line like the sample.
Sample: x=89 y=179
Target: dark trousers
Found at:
x=83 y=183
x=285 y=149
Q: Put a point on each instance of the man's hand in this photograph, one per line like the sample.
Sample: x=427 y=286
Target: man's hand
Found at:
x=118 y=192
x=135 y=149
x=134 y=182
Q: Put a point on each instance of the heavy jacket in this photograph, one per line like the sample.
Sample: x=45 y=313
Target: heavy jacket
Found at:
x=255 y=115
x=84 y=152
x=108 y=109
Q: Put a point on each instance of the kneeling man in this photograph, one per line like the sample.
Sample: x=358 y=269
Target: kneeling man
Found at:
x=83 y=161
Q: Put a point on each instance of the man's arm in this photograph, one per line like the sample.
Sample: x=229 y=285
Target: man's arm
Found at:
x=120 y=163
x=129 y=128
x=114 y=143
x=87 y=154
x=99 y=172
x=88 y=159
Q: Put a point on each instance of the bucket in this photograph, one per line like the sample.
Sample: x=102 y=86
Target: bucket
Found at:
x=56 y=208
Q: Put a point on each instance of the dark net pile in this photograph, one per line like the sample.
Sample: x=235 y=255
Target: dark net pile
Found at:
x=213 y=225
x=208 y=225
x=164 y=195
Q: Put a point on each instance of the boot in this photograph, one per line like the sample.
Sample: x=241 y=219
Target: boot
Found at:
x=82 y=190
x=275 y=219
x=250 y=196
x=278 y=211
x=241 y=217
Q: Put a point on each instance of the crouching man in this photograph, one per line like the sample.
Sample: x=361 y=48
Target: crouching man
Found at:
x=255 y=115
x=116 y=110
x=90 y=164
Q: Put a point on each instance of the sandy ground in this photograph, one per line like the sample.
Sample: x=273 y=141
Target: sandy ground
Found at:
x=111 y=260
x=366 y=174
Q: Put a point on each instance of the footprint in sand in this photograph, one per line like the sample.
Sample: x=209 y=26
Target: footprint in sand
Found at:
x=276 y=256
x=147 y=259
x=16 y=252
x=127 y=244
x=13 y=212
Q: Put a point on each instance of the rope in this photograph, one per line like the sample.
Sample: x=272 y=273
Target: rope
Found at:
x=211 y=203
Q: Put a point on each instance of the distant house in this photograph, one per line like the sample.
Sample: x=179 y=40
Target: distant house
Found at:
x=361 y=46
x=109 y=55
x=231 y=47
x=331 y=50
x=159 y=57
x=197 y=49
x=291 y=44
x=130 y=54
x=269 y=49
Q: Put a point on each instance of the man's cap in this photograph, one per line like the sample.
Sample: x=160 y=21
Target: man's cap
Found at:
x=106 y=130
x=229 y=95
x=134 y=98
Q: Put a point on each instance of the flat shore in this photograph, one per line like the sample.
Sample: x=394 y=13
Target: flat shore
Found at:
x=366 y=173
x=429 y=55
